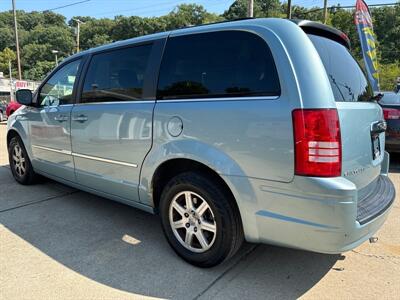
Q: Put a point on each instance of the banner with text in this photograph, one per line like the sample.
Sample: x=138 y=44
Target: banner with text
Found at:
x=363 y=21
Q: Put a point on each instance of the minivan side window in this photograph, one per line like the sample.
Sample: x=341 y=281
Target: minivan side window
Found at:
x=347 y=79
x=58 y=89
x=116 y=75
x=217 y=64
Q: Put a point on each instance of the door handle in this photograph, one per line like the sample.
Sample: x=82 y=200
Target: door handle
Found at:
x=61 y=118
x=80 y=118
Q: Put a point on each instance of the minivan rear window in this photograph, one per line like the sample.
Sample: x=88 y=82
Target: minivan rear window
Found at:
x=217 y=64
x=346 y=77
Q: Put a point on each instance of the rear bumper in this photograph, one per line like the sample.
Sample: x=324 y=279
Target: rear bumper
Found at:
x=376 y=202
x=316 y=214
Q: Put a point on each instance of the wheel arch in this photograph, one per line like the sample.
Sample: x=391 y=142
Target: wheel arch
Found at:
x=172 y=167
x=20 y=132
x=11 y=134
x=184 y=154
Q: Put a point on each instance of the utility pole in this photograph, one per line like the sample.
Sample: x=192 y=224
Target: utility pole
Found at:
x=78 y=29
x=11 y=81
x=325 y=11
x=289 y=9
x=16 y=40
x=250 y=8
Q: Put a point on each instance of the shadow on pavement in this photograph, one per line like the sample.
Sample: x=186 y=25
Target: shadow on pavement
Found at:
x=274 y=273
x=124 y=248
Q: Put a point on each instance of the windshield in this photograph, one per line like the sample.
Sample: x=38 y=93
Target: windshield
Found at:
x=346 y=77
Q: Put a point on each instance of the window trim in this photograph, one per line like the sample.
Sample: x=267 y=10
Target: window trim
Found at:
x=37 y=93
x=225 y=97
x=149 y=87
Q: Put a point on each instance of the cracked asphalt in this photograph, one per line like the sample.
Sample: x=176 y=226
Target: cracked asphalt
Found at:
x=60 y=243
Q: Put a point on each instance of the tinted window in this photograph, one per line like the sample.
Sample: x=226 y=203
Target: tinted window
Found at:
x=117 y=75
x=58 y=89
x=217 y=64
x=347 y=79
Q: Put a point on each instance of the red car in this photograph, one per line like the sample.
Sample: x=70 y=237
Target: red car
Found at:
x=12 y=107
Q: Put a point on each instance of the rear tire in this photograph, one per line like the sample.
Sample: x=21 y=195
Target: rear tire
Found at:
x=200 y=220
x=20 y=164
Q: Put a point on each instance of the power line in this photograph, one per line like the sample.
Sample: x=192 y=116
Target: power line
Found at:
x=351 y=6
x=68 y=5
x=137 y=9
x=145 y=9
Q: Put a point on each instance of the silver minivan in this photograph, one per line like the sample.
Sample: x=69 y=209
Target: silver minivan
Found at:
x=264 y=130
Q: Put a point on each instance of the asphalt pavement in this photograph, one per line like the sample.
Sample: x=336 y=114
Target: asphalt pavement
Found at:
x=60 y=243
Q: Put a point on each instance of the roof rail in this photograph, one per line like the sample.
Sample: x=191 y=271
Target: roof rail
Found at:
x=212 y=23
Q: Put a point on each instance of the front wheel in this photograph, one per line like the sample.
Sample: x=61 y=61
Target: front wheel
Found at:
x=200 y=220
x=20 y=164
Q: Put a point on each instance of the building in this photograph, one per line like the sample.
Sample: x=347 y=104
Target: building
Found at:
x=6 y=87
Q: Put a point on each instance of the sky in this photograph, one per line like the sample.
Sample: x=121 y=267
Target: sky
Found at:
x=143 y=8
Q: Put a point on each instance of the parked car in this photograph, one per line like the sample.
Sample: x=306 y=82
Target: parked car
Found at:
x=264 y=129
x=390 y=103
x=12 y=107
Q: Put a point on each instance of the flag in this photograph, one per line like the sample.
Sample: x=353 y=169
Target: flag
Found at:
x=363 y=21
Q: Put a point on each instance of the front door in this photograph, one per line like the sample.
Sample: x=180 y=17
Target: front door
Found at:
x=50 y=125
x=112 y=124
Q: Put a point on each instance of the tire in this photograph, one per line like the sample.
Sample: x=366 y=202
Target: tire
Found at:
x=218 y=221
x=20 y=163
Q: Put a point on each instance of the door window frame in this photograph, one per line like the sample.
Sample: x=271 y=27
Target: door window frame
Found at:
x=150 y=80
x=83 y=59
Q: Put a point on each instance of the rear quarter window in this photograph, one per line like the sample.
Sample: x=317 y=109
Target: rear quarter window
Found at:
x=217 y=64
x=346 y=77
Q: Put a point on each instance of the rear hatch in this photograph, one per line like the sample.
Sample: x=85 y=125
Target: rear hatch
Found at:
x=360 y=117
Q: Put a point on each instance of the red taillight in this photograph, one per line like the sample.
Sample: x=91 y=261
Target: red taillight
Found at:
x=391 y=113
x=318 y=147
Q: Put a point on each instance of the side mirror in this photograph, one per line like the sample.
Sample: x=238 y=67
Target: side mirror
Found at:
x=24 y=96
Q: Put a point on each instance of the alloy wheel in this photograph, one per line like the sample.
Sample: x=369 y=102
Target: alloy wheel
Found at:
x=192 y=221
x=19 y=161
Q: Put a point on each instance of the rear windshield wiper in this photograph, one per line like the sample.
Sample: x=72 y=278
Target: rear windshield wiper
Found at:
x=378 y=97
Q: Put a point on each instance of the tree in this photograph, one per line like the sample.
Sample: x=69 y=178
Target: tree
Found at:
x=6 y=56
x=39 y=70
x=59 y=38
x=41 y=32
x=36 y=52
x=187 y=15
x=95 y=32
x=261 y=9
x=6 y=37
x=388 y=74
x=387 y=30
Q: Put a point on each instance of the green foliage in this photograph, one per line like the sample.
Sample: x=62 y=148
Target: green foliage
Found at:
x=6 y=56
x=6 y=37
x=39 y=70
x=41 y=32
x=388 y=75
x=95 y=32
x=261 y=9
